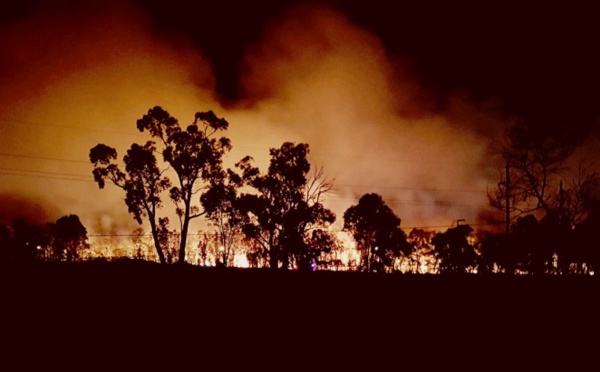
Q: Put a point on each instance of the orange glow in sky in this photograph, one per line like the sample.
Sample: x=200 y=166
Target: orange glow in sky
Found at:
x=81 y=76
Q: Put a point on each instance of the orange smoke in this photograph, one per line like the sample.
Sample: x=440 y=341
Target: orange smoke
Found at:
x=74 y=77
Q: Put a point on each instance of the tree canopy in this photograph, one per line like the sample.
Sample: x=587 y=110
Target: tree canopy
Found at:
x=193 y=153
x=286 y=215
x=454 y=251
x=69 y=238
x=376 y=230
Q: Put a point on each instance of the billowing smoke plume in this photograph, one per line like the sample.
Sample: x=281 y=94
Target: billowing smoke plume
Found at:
x=318 y=78
x=81 y=75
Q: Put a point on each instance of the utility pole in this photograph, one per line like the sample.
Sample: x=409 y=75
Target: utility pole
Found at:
x=560 y=203
x=507 y=211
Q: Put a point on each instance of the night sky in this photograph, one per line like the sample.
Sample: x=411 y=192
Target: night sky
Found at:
x=537 y=60
x=407 y=99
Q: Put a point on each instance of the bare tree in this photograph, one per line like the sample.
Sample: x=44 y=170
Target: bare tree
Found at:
x=539 y=178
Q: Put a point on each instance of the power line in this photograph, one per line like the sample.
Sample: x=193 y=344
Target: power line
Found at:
x=43 y=158
x=318 y=153
x=348 y=185
x=66 y=127
x=43 y=176
x=43 y=172
x=443 y=203
x=71 y=177
x=336 y=184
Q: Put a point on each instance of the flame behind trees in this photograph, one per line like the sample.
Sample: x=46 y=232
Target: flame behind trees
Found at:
x=541 y=186
x=222 y=206
x=193 y=153
x=63 y=240
x=454 y=251
x=376 y=230
x=69 y=238
x=142 y=182
x=286 y=215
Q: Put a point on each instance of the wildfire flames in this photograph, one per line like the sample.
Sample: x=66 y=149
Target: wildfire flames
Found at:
x=77 y=76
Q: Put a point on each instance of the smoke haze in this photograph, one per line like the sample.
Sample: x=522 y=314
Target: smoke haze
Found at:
x=83 y=74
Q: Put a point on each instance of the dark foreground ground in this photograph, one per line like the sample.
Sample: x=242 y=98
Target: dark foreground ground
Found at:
x=138 y=312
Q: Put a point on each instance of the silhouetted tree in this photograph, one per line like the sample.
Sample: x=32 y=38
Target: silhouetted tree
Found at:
x=453 y=250
x=537 y=159
x=204 y=240
x=330 y=257
x=195 y=156
x=585 y=244
x=222 y=205
x=142 y=181
x=69 y=238
x=139 y=242
x=287 y=206
x=423 y=249
x=26 y=240
x=498 y=254
x=192 y=153
x=530 y=238
x=256 y=254
x=376 y=230
x=169 y=239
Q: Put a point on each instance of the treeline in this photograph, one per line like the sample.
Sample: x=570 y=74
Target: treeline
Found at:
x=62 y=240
x=533 y=247
x=285 y=221
x=552 y=215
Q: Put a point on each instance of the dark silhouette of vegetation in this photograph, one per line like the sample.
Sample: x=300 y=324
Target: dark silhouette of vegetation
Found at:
x=538 y=247
x=539 y=176
x=63 y=240
x=550 y=202
x=586 y=255
x=283 y=223
x=286 y=215
x=499 y=255
x=27 y=240
x=423 y=251
x=222 y=205
x=69 y=238
x=376 y=230
x=453 y=250
x=142 y=181
x=193 y=153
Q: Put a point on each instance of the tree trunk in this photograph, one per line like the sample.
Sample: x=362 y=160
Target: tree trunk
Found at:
x=159 y=251
x=274 y=258
x=184 y=232
x=183 y=240
x=285 y=258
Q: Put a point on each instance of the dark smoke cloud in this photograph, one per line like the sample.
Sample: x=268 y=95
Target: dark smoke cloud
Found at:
x=15 y=207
